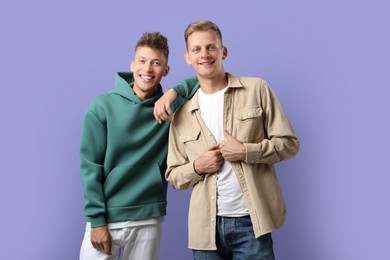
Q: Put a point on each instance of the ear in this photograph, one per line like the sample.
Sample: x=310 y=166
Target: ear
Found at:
x=166 y=70
x=224 y=53
x=131 y=66
x=187 y=58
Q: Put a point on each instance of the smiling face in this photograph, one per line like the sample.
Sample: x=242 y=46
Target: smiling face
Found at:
x=149 y=66
x=205 y=53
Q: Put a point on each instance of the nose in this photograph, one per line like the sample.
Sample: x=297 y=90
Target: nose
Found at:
x=205 y=54
x=148 y=67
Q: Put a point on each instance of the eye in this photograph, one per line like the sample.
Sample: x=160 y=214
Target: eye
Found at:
x=141 y=61
x=195 y=50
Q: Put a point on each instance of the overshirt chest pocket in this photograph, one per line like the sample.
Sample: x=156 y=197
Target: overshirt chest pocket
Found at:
x=192 y=143
x=250 y=124
x=249 y=113
x=190 y=137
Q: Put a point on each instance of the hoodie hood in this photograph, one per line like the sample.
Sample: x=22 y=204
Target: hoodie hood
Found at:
x=124 y=82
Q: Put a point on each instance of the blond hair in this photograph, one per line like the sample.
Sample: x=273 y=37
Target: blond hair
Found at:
x=202 y=25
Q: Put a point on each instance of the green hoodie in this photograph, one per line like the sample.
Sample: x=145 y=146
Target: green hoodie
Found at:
x=123 y=154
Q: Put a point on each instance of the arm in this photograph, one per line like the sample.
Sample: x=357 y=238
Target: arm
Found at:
x=281 y=142
x=184 y=88
x=92 y=151
x=184 y=172
x=180 y=172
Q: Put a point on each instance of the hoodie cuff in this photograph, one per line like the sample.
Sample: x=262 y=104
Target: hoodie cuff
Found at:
x=97 y=221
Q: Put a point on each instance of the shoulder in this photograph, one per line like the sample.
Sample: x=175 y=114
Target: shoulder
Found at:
x=100 y=104
x=253 y=82
x=183 y=114
x=103 y=100
x=183 y=110
x=246 y=82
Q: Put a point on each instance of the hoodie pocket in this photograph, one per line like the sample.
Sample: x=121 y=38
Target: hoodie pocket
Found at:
x=128 y=186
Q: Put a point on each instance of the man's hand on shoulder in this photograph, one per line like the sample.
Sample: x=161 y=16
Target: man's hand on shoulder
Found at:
x=162 y=108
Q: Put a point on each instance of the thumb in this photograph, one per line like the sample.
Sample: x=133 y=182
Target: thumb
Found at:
x=227 y=135
x=213 y=147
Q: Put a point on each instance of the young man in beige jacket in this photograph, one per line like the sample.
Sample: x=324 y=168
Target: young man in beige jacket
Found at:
x=223 y=143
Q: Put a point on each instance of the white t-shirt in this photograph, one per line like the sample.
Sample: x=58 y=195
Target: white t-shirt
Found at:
x=230 y=202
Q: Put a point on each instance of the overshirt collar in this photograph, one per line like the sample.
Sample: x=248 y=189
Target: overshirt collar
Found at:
x=233 y=82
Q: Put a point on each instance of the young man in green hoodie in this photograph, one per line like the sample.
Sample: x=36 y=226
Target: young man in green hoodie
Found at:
x=123 y=158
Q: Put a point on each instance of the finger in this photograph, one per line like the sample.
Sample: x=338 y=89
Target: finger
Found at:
x=164 y=112
x=98 y=246
x=160 y=114
x=227 y=135
x=110 y=244
x=155 y=114
x=165 y=116
x=169 y=111
x=107 y=248
x=213 y=147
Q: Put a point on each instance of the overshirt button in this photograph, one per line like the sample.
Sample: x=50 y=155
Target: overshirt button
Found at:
x=249 y=114
x=209 y=133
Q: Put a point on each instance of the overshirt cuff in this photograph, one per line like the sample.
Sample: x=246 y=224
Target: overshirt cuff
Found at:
x=253 y=153
x=198 y=176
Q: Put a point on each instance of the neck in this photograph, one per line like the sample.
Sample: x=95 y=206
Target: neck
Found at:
x=143 y=95
x=213 y=85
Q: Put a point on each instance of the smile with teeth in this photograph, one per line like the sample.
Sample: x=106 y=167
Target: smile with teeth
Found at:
x=146 y=77
x=206 y=63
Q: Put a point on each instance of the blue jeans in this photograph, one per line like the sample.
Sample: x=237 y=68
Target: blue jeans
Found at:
x=236 y=240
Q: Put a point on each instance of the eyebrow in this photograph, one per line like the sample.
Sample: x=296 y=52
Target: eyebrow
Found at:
x=142 y=57
x=207 y=45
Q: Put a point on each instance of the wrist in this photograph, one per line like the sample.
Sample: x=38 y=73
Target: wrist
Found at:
x=197 y=171
x=243 y=152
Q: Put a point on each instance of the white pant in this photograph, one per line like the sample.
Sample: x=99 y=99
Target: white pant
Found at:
x=133 y=243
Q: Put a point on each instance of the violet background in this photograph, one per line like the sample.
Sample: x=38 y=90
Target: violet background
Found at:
x=327 y=61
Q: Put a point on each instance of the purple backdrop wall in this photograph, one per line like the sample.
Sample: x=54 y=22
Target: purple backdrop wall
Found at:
x=327 y=61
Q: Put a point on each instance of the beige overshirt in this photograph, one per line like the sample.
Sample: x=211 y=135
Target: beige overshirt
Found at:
x=254 y=116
